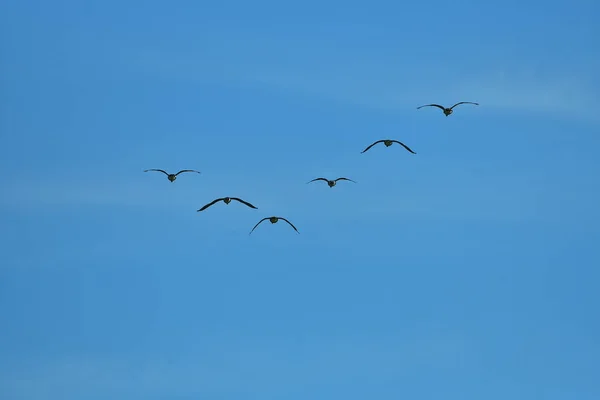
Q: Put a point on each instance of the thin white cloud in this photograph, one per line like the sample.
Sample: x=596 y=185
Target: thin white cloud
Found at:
x=527 y=91
x=505 y=91
x=378 y=79
x=154 y=193
x=451 y=194
x=43 y=193
x=471 y=200
x=253 y=368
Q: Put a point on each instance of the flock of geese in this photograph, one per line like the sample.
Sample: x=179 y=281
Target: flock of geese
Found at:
x=330 y=182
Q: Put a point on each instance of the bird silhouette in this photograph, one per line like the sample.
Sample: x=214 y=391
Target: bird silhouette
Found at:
x=226 y=200
x=388 y=143
x=172 y=177
x=331 y=183
x=273 y=220
x=447 y=111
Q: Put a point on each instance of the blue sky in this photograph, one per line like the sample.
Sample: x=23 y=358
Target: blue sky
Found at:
x=466 y=271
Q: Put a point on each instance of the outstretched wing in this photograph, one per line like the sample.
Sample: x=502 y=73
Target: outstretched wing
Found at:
x=211 y=203
x=432 y=105
x=318 y=179
x=344 y=179
x=187 y=170
x=264 y=219
x=292 y=225
x=403 y=145
x=463 y=102
x=379 y=141
x=243 y=202
x=157 y=170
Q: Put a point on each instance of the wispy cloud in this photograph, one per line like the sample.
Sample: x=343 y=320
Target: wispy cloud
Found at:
x=497 y=90
x=451 y=194
x=27 y=194
x=472 y=200
x=267 y=369
x=154 y=193
x=378 y=79
x=526 y=91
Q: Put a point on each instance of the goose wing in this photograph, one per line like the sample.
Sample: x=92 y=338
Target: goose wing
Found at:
x=379 y=141
x=344 y=179
x=157 y=170
x=318 y=179
x=211 y=203
x=264 y=219
x=243 y=202
x=403 y=145
x=292 y=225
x=431 y=105
x=187 y=170
x=463 y=102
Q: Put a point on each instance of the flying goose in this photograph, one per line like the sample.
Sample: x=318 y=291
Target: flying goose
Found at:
x=172 y=177
x=273 y=220
x=226 y=200
x=388 y=143
x=447 y=111
x=331 y=183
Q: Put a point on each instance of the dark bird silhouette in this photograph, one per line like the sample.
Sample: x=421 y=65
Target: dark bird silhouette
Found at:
x=227 y=200
x=331 y=183
x=447 y=111
x=273 y=220
x=172 y=177
x=388 y=143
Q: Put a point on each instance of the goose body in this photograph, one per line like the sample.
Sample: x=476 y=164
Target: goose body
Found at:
x=274 y=220
x=447 y=110
x=226 y=200
x=331 y=183
x=171 y=177
x=388 y=143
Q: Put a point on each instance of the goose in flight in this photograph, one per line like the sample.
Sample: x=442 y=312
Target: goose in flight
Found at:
x=331 y=183
x=388 y=143
x=172 y=177
x=227 y=200
x=447 y=111
x=273 y=220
